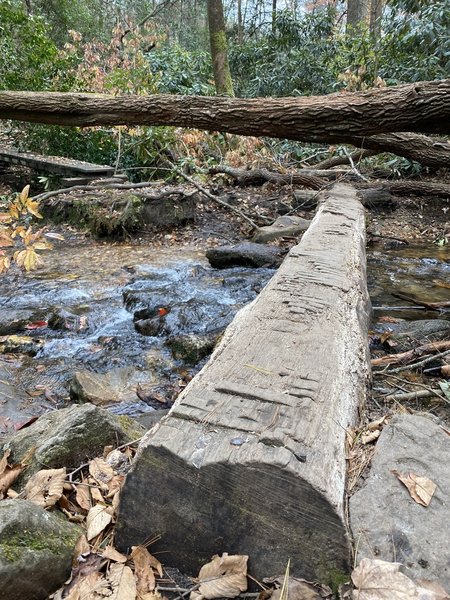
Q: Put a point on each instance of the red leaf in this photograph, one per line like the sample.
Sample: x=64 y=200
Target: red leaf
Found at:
x=36 y=325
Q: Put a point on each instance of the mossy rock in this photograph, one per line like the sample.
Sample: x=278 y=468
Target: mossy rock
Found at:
x=68 y=438
x=36 y=549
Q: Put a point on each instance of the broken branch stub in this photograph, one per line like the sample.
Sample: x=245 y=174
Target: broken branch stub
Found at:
x=251 y=459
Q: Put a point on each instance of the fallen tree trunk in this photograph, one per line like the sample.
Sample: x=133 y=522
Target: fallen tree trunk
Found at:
x=336 y=161
x=251 y=459
x=430 y=152
x=419 y=107
x=258 y=176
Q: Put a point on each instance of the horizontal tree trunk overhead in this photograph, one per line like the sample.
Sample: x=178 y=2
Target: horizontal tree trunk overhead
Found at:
x=420 y=107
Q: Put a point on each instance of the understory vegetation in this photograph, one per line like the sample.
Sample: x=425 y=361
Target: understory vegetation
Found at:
x=149 y=47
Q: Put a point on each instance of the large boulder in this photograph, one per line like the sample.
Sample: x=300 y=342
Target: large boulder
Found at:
x=246 y=254
x=386 y=522
x=68 y=438
x=36 y=550
x=284 y=226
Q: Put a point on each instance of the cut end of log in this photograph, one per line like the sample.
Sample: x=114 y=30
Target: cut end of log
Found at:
x=258 y=505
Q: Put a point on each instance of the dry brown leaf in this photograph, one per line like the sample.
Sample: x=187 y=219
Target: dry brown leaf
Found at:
x=300 y=589
x=370 y=436
x=112 y=554
x=101 y=471
x=83 y=496
x=81 y=548
x=373 y=425
x=421 y=489
x=45 y=487
x=8 y=477
x=97 y=519
x=90 y=587
x=380 y=580
x=445 y=370
x=155 y=595
x=4 y=461
x=224 y=577
x=96 y=494
x=122 y=582
x=142 y=559
x=115 y=485
x=431 y=590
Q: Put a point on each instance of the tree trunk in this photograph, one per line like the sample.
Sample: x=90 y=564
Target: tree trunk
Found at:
x=218 y=41
x=240 y=37
x=274 y=14
x=358 y=14
x=376 y=12
x=419 y=107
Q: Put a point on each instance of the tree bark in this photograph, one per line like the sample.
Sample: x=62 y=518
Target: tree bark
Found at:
x=430 y=152
x=376 y=12
x=419 y=107
x=218 y=41
x=358 y=13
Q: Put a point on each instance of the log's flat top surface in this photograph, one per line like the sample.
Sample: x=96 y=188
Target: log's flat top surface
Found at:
x=288 y=377
x=54 y=162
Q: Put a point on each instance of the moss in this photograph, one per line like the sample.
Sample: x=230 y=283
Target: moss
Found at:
x=335 y=578
x=131 y=428
x=17 y=546
x=219 y=41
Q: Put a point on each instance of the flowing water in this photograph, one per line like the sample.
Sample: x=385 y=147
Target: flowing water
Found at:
x=78 y=309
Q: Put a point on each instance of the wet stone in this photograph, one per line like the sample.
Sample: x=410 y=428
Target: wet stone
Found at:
x=246 y=254
x=102 y=389
x=386 y=522
x=191 y=349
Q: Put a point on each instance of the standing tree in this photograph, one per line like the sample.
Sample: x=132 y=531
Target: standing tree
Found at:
x=358 y=13
x=218 y=40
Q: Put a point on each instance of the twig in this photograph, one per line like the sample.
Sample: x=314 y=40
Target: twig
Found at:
x=214 y=198
x=418 y=384
x=413 y=395
x=425 y=361
x=352 y=164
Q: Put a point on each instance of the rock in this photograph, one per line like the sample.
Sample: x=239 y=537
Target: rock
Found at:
x=409 y=334
x=15 y=404
x=386 y=522
x=153 y=327
x=64 y=320
x=192 y=348
x=167 y=211
x=246 y=254
x=68 y=437
x=101 y=389
x=36 y=548
x=285 y=226
x=20 y=344
x=13 y=320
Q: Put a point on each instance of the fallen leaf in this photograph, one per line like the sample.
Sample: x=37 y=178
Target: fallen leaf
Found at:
x=224 y=577
x=445 y=370
x=300 y=589
x=81 y=548
x=122 y=583
x=4 y=461
x=380 y=580
x=90 y=587
x=374 y=425
x=115 y=485
x=8 y=477
x=101 y=471
x=97 y=519
x=370 y=436
x=431 y=590
x=112 y=554
x=141 y=558
x=36 y=325
x=155 y=595
x=83 y=496
x=421 y=489
x=45 y=487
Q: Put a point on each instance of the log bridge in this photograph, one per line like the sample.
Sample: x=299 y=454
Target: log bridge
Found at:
x=76 y=172
x=251 y=459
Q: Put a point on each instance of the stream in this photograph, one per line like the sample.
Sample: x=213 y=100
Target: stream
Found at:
x=125 y=309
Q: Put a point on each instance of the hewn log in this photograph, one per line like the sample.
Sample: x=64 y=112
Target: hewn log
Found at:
x=251 y=458
x=419 y=107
